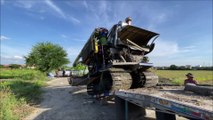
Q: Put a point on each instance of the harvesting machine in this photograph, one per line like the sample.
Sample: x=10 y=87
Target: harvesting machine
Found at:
x=117 y=59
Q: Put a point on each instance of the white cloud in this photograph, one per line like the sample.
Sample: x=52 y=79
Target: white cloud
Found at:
x=99 y=14
x=13 y=54
x=18 y=57
x=25 y=4
x=156 y=20
x=12 y=60
x=74 y=20
x=40 y=6
x=60 y=12
x=168 y=48
x=13 y=50
x=187 y=49
x=63 y=36
x=165 y=48
x=4 y=38
x=85 y=4
x=55 y=8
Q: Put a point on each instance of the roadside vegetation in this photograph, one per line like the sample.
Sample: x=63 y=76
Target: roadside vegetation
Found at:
x=19 y=88
x=178 y=76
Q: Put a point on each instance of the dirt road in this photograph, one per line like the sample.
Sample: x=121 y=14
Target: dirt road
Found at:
x=62 y=101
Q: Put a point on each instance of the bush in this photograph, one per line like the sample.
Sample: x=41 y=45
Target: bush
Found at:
x=7 y=103
x=30 y=91
x=24 y=74
x=11 y=107
x=15 y=94
x=14 y=66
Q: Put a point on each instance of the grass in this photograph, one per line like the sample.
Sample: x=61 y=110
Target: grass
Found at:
x=24 y=74
x=23 y=89
x=11 y=107
x=178 y=76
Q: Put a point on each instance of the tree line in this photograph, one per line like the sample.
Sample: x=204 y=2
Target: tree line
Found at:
x=175 y=67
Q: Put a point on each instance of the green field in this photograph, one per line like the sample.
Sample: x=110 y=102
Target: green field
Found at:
x=18 y=89
x=24 y=74
x=178 y=76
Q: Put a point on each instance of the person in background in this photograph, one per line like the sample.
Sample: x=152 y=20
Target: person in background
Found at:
x=190 y=79
x=63 y=73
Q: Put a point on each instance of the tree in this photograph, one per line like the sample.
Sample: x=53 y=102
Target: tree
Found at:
x=1 y=66
x=46 y=56
x=80 y=67
x=14 y=66
x=173 y=67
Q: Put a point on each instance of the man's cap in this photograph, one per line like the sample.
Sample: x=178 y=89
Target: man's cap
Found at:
x=189 y=75
x=128 y=19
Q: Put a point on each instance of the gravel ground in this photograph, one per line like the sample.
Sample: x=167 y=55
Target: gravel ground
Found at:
x=62 y=101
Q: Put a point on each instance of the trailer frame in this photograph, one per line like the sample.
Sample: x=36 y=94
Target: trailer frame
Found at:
x=165 y=108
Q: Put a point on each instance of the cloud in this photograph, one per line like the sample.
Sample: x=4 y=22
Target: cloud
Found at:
x=55 y=8
x=4 y=38
x=60 y=12
x=63 y=36
x=14 y=50
x=168 y=48
x=85 y=4
x=13 y=54
x=18 y=57
x=74 y=20
x=99 y=13
x=25 y=4
x=187 y=49
x=157 y=19
x=40 y=6
x=165 y=48
x=12 y=60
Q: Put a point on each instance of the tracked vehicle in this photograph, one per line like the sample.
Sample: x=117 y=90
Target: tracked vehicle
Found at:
x=116 y=59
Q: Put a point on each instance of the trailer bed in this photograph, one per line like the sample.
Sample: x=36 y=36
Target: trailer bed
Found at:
x=172 y=99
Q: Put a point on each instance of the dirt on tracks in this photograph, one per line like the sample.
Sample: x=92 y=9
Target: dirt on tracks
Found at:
x=62 y=101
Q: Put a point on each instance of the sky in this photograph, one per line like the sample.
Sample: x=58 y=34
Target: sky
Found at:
x=185 y=26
